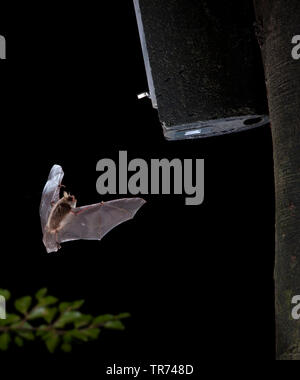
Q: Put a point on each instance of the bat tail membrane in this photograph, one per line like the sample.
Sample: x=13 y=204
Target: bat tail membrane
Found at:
x=50 y=242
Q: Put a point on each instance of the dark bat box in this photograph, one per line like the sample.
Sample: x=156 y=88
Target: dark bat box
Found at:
x=203 y=66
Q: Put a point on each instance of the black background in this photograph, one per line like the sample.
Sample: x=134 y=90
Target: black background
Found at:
x=196 y=279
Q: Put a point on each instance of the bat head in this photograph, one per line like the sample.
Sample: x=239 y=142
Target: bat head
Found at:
x=70 y=199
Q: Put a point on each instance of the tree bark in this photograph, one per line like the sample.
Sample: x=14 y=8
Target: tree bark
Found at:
x=277 y=22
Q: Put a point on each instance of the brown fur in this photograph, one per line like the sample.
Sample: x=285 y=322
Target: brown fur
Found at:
x=60 y=211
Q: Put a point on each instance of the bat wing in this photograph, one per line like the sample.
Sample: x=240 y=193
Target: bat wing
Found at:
x=94 y=221
x=50 y=193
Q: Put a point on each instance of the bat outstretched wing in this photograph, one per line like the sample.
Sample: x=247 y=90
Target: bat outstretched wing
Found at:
x=94 y=221
x=50 y=193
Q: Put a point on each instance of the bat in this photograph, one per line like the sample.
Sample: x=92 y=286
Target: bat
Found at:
x=62 y=221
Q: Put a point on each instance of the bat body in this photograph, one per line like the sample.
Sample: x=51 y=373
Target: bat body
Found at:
x=62 y=221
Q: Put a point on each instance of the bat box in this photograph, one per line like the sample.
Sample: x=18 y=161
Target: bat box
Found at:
x=203 y=65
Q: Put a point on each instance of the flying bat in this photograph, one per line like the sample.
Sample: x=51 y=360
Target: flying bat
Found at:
x=62 y=221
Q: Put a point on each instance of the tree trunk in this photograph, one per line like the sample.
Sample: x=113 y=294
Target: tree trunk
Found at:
x=278 y=21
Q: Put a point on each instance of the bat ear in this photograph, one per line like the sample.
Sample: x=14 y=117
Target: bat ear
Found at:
x=66 y=194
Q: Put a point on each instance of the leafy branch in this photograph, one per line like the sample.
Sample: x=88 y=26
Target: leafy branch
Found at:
x=58 y=324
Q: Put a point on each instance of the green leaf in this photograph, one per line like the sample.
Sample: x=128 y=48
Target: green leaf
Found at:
x=23 y=304
x=92 y=333
x=102 y=319
x=10 y=319
x=77 y=304
x=41 y=293
x=84 y=335
x=46 y=335
x=78 y=335
x=50 y=314
x=4 y=341
x=52 y=342
x=67 y=337
x=24 y=325
x=37 y=312
x=66 y=347
x=67 y=317
x=42 y=330
x=5 y=293
x=123 y=316
x=114 y=325
x=70 y=305
x=85 y=326
x=19 y=341
x=28 y=335
x=84 y=320
x=47 y=301
x=63 y=306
